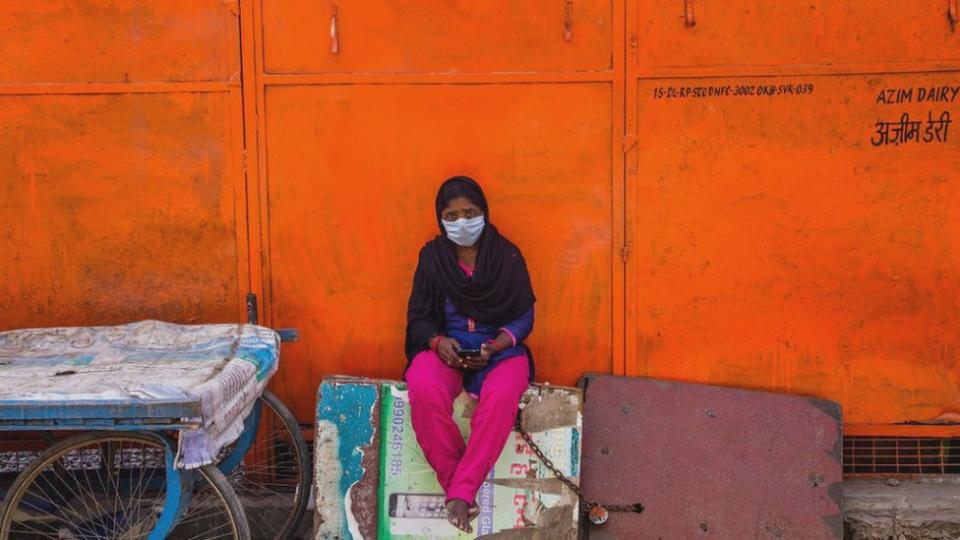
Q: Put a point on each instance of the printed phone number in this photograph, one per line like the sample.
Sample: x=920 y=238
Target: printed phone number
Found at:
x=396 y=437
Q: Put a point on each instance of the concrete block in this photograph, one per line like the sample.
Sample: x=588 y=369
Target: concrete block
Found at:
x=364 y=438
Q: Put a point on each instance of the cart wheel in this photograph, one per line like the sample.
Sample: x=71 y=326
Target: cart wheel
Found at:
x=115 y=485
x=214 y=510
x=269 y=468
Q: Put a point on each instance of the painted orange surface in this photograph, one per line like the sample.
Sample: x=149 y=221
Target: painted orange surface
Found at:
x=673 y=229
x=794 y=33
x=436 y=36
x=774 y=246
x=57 y=41
x=121 y=188
x=348 y=217
x=115 y=208
x=782 y=250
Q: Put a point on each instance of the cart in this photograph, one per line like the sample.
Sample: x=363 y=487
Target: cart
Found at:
x=156 y=431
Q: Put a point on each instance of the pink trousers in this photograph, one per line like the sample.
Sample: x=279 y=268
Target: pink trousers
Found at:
x=433 y=386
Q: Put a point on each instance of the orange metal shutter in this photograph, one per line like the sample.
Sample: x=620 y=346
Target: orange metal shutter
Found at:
x=356 y=140
x=120 y=141
x=778 y=245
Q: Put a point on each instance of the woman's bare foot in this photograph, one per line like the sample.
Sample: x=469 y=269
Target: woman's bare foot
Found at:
x=458 y=514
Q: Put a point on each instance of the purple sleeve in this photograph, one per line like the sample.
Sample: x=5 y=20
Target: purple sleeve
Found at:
x=521 y=327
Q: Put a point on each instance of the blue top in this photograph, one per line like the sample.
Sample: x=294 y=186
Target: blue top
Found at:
x=471 y=334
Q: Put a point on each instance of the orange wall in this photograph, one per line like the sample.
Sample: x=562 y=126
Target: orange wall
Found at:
x=775 y=246
x=744 y=240
x=354 y=143
x=121 y=185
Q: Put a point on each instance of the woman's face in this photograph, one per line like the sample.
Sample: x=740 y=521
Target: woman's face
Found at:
x=459 y=208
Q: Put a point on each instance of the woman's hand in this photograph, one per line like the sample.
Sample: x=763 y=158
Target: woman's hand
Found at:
x=486 y=352
x=477 y=362
x=447 y=351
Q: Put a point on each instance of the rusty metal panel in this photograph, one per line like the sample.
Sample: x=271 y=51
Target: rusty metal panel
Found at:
x=711 y=462
x=98 y=41
x=383 y=36
x=789 y=34
x=117 y=207
x=801 y=234
x=346 y=221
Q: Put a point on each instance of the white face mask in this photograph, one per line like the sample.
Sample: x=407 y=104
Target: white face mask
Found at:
x=464 y=232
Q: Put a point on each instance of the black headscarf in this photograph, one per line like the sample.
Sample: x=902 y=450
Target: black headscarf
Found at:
x=498 y=292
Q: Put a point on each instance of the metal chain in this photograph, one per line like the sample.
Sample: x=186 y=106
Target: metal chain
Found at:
x=585 y=505
x=545 y=460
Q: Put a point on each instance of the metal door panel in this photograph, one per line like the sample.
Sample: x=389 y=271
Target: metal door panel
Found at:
x=99 y=41
x=785 y=34
x=783 y=244
x=386 y=36
x=352 y=172
x=117 y=208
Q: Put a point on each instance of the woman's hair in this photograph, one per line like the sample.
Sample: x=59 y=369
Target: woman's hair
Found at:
x=461 y=186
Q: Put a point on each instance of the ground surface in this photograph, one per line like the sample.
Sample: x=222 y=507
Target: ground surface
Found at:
x=922 y=509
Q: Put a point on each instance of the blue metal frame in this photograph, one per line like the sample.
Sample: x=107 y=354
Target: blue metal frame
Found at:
x=172 y=503
x=105 y=425
x=71 y=409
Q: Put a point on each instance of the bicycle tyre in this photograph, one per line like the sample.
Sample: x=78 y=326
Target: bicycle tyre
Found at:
x=85 y=500
x=290 y=486
x=227 y=496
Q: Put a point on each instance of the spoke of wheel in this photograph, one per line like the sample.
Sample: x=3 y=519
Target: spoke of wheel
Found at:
x=133 y=495
x=197 y=515
x=83 y=493
x=21 y=526
x=229 y=534
x=271 y=470
x=137 y=495
x=106 y=457
x=106 y=492
x=111 y=515
x=144 y=507
x=224 y=523
x=132 y=498
x=60 y=495
x=65 y=507
x=65 y=482
x=209 y=507
x=102 y=515
x=16 y=525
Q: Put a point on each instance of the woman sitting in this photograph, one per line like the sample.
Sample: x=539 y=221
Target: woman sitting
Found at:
x=469 y=312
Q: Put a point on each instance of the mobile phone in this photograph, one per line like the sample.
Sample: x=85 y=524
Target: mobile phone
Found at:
x=469 y=353
x=418 y=515
x=417 y=505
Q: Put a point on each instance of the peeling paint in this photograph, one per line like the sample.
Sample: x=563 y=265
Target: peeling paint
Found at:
x=346 y=431
x=326 y=474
